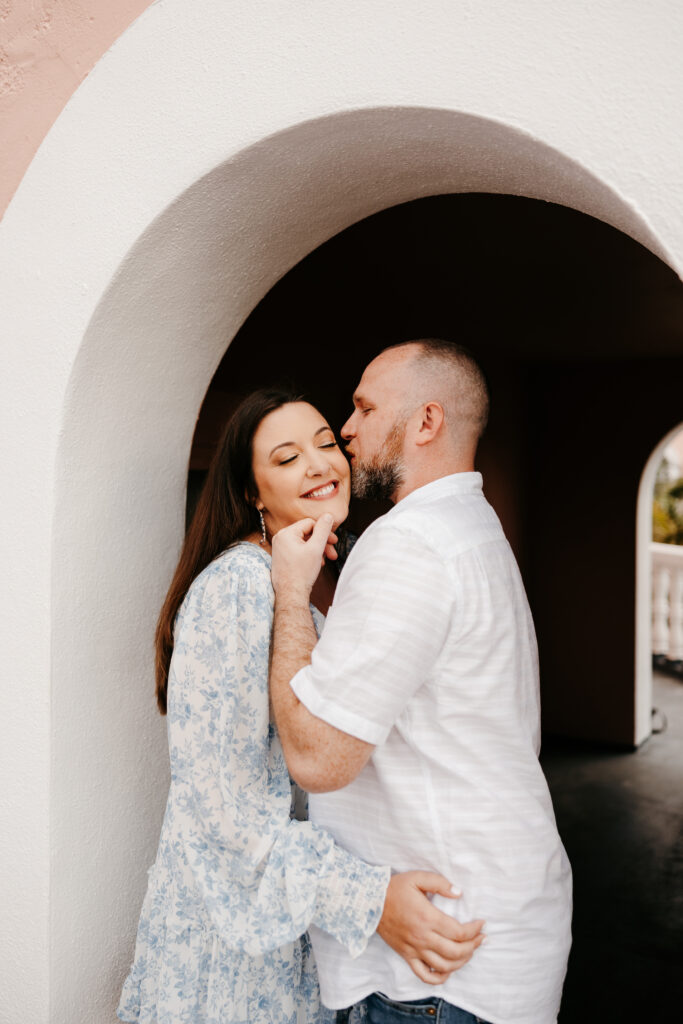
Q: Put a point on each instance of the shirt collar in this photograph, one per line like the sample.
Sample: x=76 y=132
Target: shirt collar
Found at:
x=455 y=483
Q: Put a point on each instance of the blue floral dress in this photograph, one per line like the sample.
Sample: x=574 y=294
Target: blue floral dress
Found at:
x=238 y=879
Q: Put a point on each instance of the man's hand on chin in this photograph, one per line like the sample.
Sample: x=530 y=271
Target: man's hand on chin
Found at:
x=299 y=551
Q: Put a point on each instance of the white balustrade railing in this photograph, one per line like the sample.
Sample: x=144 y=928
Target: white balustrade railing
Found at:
x=667 y=600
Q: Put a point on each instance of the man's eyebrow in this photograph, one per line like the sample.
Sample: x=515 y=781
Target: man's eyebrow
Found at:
x=357 y=399
x=292 y=444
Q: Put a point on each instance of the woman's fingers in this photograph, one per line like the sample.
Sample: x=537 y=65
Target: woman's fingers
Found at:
x=421 y=933
x=434 y=969
x=431 y=881
x=455 y=931
x=424 y=973
x=447 y=957
x=450 y=951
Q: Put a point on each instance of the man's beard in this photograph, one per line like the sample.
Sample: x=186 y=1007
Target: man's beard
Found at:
x=380 y=478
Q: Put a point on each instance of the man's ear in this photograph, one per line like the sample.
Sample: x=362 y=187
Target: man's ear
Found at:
x=430 y=424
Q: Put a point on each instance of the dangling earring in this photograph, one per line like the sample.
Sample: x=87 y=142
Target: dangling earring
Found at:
x=264 y=536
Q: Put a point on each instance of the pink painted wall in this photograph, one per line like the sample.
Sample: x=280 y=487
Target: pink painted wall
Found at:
x=47 y=47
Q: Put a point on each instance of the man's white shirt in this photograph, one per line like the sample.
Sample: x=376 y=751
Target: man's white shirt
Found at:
x=429 y=652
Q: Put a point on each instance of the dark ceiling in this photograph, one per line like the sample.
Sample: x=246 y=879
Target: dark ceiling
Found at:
x=517 y=280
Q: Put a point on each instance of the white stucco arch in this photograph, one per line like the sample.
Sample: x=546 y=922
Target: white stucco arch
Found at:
x=207 y=153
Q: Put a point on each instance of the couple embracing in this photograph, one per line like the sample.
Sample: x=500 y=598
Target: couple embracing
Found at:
x=427 y=880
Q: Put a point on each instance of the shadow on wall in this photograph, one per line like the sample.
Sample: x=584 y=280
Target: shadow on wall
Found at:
x=580 y=331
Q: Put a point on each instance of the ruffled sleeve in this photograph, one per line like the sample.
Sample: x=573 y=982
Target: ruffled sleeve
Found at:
x=263 y=878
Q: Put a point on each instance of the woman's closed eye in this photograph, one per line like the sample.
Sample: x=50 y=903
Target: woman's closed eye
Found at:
x=295 y=455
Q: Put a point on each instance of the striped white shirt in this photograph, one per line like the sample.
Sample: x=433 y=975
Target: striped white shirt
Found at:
x=429 y=653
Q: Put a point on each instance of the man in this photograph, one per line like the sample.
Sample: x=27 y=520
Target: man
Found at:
x=417 y=714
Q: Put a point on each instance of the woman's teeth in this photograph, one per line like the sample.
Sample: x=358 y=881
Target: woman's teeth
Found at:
x=321 y=492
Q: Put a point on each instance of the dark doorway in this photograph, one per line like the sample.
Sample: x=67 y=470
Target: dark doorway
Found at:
x=580 y=331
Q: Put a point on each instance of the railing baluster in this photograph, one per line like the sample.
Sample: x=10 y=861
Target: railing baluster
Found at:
x=676 y=615
x=660 y=609
x=667 y=601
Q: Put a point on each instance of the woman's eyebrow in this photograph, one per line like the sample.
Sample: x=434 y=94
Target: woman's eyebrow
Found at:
x=292 y=444
x=283 y=444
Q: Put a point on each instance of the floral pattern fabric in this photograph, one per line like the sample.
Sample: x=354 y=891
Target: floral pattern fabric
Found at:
x=238 y=879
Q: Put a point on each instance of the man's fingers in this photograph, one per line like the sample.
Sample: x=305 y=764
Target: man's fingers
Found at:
x=320 y=533
x=304 y=527
x=323 y=527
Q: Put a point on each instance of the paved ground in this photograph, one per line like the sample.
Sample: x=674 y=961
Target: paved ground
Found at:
x=621 y=819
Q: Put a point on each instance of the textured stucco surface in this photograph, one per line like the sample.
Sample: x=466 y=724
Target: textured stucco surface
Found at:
x=47 y=47
x=211 y=148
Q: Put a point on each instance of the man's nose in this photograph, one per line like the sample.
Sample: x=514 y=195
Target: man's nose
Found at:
x=347 y=431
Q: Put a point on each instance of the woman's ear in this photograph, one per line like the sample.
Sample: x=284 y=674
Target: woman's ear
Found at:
x=256 y=502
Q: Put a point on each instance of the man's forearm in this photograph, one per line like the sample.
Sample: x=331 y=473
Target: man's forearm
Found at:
x=294 y=638
x=319 y=756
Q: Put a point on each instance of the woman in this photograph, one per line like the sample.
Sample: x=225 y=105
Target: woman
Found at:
x=237 y=880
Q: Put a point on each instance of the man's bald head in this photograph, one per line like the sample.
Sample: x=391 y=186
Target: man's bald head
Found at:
x=433 y=370
x=419 y=410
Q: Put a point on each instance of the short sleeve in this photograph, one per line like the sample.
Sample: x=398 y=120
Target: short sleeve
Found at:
x=383 y=634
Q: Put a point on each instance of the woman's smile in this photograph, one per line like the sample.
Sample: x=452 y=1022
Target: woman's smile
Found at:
x=323 y=491
x=296 y=462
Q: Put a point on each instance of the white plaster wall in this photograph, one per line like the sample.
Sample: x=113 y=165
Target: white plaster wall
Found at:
x=213 y=147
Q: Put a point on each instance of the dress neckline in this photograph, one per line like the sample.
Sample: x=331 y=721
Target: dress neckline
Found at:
x=256 y=547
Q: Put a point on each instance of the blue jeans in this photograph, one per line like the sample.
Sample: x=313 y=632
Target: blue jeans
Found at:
x=380 y=1009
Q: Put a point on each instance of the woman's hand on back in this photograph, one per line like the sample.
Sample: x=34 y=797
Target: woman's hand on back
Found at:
x=432 y=943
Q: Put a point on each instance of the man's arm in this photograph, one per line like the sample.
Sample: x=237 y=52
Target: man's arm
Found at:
x=320 y=757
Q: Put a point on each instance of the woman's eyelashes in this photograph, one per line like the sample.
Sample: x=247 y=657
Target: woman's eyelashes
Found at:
x=328 y=444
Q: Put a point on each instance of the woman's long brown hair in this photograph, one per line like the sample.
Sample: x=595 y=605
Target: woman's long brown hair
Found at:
x=225 y=513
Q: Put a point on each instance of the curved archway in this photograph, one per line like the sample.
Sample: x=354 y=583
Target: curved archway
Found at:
x=141 y=371
x=126 y=267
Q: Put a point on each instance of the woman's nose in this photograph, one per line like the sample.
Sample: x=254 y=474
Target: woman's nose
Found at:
x=318 y=463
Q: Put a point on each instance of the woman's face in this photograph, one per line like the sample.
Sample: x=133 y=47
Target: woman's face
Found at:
x=298 y=468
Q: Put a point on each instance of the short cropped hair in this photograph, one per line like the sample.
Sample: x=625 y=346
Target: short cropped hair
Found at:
x=448 y=372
